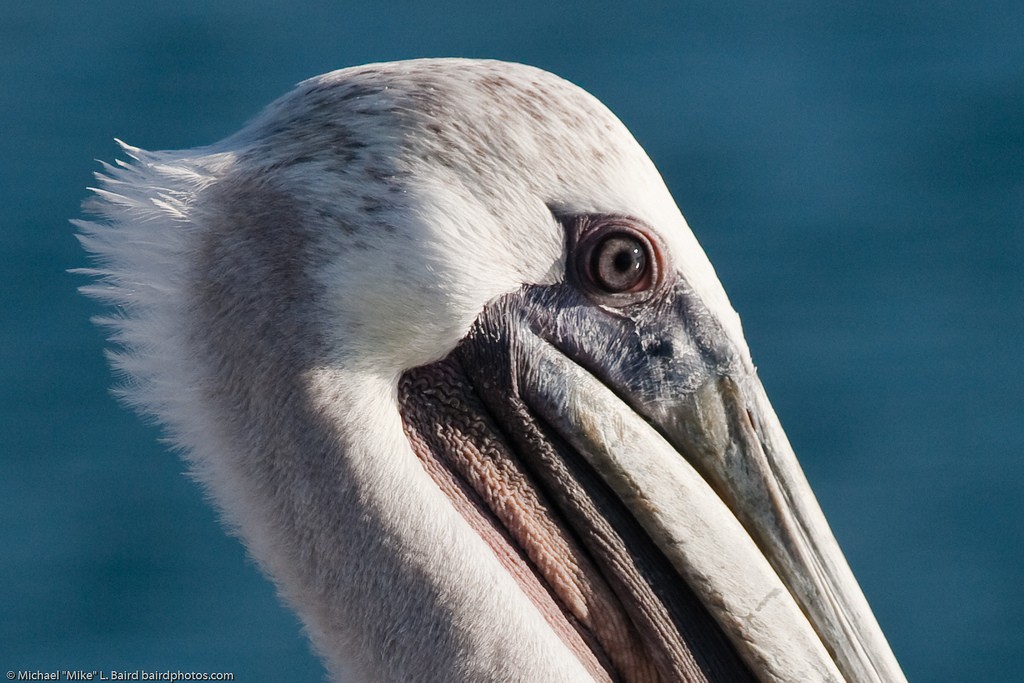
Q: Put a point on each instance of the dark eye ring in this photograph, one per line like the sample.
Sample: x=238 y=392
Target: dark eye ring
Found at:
x=617 y=262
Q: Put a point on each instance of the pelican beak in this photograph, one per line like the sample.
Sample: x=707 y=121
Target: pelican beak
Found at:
x=662 y=406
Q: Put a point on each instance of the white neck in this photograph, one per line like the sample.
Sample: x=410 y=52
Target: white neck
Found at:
x=226 y=344
x=389 y=579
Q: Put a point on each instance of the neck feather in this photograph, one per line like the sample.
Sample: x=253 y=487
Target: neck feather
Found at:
x=221 y=337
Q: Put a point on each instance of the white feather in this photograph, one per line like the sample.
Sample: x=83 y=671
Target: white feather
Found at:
x=417 y=192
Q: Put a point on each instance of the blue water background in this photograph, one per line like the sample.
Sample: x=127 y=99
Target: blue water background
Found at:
x=854 y=170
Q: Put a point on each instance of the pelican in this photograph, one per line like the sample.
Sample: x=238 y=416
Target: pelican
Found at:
x=442 y=347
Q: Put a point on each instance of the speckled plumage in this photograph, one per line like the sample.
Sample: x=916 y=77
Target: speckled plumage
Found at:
x=270 y=290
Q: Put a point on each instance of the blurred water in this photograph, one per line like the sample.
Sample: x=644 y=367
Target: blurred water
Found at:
x=853 y=170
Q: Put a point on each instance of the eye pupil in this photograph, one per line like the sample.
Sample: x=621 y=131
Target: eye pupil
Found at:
x=628 y=259
x=619 y=263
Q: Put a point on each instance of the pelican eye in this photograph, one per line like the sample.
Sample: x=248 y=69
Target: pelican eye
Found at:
x=619 y=263
x=617 y=260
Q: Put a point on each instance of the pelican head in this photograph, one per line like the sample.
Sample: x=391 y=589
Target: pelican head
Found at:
x=443 y=348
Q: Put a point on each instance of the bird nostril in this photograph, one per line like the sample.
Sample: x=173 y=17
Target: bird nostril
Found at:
x=663 y=348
